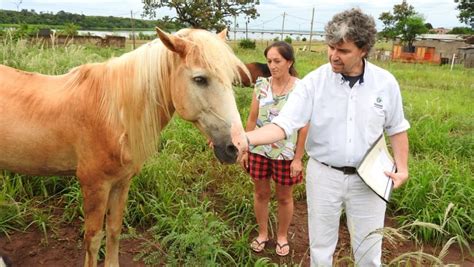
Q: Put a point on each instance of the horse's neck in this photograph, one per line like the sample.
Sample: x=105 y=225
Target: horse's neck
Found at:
x=135 y=98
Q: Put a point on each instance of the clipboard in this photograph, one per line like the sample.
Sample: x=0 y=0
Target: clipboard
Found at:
x=372 y=167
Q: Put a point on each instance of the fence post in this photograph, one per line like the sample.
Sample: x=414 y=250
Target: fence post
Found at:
x=311 y=32
x=452 y=62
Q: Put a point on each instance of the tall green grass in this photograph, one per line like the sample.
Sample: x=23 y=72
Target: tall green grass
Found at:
x=190 y=210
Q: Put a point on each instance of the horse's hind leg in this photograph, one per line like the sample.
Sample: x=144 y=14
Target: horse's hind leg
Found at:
x=115 y=209
x=95 y=195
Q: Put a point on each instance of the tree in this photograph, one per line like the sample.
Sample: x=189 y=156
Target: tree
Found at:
x=461 y=30
x=70 y=29
x=405 y=23
x=204 y=14
x=466 y=11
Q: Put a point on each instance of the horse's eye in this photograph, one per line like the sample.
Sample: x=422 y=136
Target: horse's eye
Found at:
x=200 y=80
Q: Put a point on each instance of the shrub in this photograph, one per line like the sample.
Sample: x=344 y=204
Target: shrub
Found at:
x=288 y=39
x=69 y=29
x=461 y=30
x=247 y=44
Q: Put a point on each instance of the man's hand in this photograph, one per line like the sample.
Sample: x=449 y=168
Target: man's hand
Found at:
x=398 y=178
x=400 y=153
x=239 y=139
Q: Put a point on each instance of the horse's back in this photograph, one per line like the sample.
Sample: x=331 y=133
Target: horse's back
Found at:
x=34 y=134
x=256 y=69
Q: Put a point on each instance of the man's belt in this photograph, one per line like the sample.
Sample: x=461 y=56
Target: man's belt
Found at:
x=345 y=169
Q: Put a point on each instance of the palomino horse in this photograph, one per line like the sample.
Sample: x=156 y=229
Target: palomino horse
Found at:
x=101 y=121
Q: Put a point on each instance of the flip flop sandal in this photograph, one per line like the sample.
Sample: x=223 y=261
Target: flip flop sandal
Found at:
x=258 y=246
x=279 y=249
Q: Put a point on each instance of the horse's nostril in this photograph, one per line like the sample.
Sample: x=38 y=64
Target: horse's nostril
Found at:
x=226 y=153
x=231 y=150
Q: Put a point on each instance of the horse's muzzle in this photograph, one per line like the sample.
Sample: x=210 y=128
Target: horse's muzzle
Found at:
x=226 y=153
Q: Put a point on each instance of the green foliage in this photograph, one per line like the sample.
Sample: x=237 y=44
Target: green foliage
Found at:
x=193 y=237
x=11 y=214
x=21 y=32
x=410 y=28
x=70 y=29
x=142 y=36
x=204 y=14
x=42 y=220
x=81 y=21
x=288 y=39
x=438 y=105
x=404 y=23
x=466 y=11
x=461 y=30
x=200 y=213
x=247 y=44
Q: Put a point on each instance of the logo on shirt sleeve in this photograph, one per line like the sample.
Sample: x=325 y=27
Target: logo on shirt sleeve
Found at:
x=378 y=103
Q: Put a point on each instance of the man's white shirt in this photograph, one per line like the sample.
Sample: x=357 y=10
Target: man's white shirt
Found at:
x=345 y=121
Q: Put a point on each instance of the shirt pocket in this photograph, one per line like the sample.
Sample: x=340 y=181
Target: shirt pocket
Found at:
x=375 y=122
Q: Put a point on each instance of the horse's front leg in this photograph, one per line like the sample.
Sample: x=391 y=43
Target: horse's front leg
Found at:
x=115 y=209
x=95 y=193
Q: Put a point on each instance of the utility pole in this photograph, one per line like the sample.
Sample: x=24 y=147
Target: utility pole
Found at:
x=247 y=28
x=311 y=31
x=18 y=5
x=133 y=29
x=235 y=26
x=283 y=26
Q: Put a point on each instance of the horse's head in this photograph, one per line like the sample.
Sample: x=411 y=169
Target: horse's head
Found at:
x=201 y=88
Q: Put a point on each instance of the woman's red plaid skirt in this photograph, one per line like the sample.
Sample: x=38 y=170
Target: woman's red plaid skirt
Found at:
x=261 y=167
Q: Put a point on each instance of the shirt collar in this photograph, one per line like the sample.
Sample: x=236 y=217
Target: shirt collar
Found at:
x=361 y=79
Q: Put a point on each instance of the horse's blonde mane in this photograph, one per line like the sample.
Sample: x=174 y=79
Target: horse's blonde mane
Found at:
x=212 y=54
x=136 y=86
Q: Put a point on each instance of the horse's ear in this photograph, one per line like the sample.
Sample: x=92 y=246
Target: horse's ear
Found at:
x=173 y=43
x=223 y=34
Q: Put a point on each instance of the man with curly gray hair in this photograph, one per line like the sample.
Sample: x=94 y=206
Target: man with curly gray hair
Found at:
x=349 y=103
x=352 y=25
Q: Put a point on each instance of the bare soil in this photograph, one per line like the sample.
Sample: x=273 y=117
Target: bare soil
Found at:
x=64 y=247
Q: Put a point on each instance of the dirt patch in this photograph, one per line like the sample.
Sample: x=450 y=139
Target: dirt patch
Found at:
x=64 y=247
x=299 y=242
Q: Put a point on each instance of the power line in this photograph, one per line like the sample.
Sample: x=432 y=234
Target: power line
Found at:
x=265 y=22
x=297 y=17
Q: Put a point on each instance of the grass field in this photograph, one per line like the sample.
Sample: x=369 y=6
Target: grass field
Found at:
x=201 y=212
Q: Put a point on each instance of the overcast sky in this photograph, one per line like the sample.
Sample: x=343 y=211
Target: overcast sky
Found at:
x=440 y=13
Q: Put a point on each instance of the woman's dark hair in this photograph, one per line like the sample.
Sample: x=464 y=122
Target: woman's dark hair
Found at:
x=286 y=51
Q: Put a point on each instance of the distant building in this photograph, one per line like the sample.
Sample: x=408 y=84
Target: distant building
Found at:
x=439 y=30
x=430 y=48
x=466 y=55
x=47 y=36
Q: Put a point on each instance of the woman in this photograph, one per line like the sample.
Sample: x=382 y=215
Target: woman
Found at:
x=280 y=161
